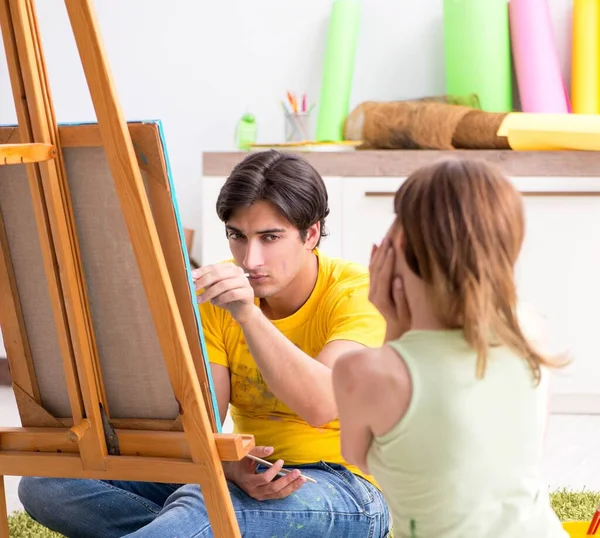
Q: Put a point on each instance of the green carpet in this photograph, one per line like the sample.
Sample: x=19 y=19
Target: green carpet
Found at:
x=575 y=506
x=568 y=505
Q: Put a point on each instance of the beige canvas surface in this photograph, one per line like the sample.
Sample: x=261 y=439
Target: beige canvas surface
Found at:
x=132 y=365
x=16 y=210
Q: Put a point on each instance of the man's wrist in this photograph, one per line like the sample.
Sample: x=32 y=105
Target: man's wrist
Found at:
x=248 y=317
x=228 y=470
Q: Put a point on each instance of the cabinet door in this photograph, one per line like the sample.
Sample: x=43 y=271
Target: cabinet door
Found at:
x=368 y=212
x=332 y=244
x=215 y=246
x=557 y=273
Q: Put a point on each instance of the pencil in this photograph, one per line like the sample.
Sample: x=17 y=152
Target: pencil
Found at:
x=283 y=472
x=595 y=523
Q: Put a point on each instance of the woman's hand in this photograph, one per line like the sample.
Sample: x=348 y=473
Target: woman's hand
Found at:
x=386 y=290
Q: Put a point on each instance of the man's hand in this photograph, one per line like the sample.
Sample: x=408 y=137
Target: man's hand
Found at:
x=225 y=285
x=386 y=290
x=262 y=486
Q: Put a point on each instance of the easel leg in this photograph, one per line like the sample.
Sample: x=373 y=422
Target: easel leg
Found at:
x=3 y=511
x=219 y=506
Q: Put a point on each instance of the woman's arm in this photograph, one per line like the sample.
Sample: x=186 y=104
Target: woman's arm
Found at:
x=351 y=386
x=373 y=391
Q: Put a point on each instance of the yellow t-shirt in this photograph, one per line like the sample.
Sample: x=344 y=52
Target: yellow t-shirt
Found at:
x=337 y=309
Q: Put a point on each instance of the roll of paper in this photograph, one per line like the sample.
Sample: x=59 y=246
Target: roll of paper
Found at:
x=551 y=132
x=477 y=52
x=540 y=81
x=585 y=75
x=523 y=140
x=338 y=70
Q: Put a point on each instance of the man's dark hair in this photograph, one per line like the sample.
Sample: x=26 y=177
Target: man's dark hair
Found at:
x=285 y=180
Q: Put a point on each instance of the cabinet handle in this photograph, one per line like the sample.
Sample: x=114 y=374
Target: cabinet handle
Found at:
x=377 y=194
x=386 y=194
x=560 y=193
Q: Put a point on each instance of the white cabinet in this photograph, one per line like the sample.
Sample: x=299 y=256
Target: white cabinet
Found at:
x=215 y=247
x=368 y=212
x=556 y=273
x=334 y=224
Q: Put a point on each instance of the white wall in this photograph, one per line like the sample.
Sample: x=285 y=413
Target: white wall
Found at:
x=198 y=65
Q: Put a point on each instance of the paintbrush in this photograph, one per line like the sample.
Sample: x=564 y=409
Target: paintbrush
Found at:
x=283 y=472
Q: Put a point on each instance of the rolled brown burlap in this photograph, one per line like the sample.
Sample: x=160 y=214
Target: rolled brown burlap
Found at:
x=405 y=124
x=477 y=130
x=422 y=124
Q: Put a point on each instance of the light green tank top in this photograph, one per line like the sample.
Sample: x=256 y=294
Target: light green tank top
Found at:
x=465 y=461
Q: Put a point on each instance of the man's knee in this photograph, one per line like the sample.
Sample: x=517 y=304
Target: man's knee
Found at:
x=34 y=490
x=187 y=495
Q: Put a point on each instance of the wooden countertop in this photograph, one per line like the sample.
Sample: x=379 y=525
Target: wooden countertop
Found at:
x=394 y=163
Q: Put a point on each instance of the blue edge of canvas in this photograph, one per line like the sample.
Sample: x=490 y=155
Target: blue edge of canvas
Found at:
x=186 y=257
x=188 y=267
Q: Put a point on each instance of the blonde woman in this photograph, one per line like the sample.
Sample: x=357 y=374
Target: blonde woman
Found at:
x=449 y=415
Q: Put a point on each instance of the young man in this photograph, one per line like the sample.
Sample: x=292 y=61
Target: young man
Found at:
x=275 y=320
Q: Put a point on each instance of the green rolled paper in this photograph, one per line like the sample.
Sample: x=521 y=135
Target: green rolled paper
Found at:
x=338 y=69
x=477 y=52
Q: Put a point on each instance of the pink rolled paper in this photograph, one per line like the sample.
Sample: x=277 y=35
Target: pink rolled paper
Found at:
x=540 y=81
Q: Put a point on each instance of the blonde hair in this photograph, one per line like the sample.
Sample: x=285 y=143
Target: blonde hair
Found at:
x=464 y=225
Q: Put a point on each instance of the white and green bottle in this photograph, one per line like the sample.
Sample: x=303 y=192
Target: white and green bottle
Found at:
x=245 y=133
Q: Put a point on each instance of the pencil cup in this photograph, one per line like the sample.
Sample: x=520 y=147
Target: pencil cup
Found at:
x=297 y=127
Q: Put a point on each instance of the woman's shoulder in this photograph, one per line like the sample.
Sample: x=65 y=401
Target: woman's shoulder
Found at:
x=377 y=376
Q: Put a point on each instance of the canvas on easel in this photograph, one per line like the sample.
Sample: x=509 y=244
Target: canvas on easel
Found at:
x=98 y=311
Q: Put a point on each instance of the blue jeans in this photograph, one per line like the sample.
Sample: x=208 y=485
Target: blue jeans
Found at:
x=340 y=504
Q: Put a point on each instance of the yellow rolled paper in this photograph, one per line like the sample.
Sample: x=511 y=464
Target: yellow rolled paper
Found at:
x=585 y=75
x=551 y=132
x=524 y=140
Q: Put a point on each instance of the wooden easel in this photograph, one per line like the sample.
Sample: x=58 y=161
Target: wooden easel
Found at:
x=91 y=445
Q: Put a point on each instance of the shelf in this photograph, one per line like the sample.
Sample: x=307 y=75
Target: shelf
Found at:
x=399 y=163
